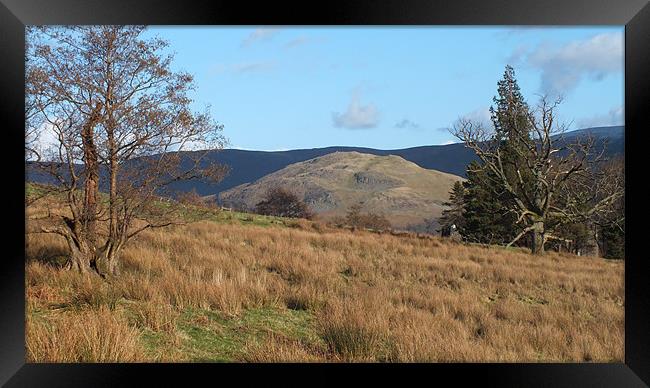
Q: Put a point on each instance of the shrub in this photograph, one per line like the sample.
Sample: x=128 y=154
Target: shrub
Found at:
x=193 y=198
x=280 y=202
x=356 y=218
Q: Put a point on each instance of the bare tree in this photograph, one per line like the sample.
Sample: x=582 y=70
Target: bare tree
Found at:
x=561 y=180
x=121 y=119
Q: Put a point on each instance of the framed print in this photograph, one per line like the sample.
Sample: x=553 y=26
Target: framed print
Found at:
x=260 y=191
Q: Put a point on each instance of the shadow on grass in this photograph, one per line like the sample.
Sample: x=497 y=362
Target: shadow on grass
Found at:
x=52 y=256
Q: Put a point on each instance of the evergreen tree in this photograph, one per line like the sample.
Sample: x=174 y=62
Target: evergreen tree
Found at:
x=612 y=242
x=510 y=113
x=452 y=218
x=486 y=220
x=510 y=118
x=526 y=171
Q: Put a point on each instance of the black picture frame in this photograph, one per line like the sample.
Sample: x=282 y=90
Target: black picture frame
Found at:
x=15 y=14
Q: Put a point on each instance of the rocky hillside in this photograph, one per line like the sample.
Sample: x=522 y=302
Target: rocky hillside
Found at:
x=410 y=196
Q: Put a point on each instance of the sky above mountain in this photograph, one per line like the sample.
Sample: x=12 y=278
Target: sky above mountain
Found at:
x=276 y=88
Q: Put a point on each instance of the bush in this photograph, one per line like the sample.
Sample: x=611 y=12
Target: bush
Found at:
x=280 y=202
x=356 y=218
x=193 y=198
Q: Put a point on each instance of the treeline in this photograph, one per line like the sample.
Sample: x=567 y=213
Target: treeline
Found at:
x=531 y=187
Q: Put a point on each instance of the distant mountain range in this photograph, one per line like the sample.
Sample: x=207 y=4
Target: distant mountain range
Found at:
x=248 y=166
x=408 y=195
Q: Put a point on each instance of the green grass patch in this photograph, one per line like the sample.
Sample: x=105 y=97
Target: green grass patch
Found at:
x=189 y=213
x=210 y=336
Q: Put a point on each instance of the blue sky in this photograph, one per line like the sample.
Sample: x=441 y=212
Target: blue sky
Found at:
x=277 y=88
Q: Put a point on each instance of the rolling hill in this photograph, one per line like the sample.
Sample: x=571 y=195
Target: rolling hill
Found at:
x=408 y=195
x=248 y=166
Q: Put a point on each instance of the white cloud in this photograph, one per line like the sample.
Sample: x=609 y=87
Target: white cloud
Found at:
x=481 y=115
x=406 y=123
x=518 y=54
x=615 y=116
x=45 y=140
x=563 y=67
x=357 y=115
x=243 y=148
x=259 y=35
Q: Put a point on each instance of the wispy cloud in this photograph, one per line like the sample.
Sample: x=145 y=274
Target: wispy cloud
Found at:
x=518 y=55
x=243 y=67
x=258 y=35
x=251 y=67
x=518 y=31
x=563 y=67
x=297 y=42
x=357 y=115
x=481 y=115
x=406 y=124
x=615 y=116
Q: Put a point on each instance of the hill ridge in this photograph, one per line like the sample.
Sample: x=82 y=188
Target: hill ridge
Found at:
x=411 y=196
x=248 y=166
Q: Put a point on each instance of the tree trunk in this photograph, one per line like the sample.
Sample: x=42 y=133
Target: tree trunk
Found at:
x=592 y=247
x=88 y=236
x=538 y=232
x=107 y=264
x=79 y=262
x=81 y=257
x=91 y=186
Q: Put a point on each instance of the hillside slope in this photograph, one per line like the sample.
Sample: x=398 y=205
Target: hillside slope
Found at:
x=404 y=192
x=248 y=166
x=232 y=292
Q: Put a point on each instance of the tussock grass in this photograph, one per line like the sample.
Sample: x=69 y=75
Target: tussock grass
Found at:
x=97 y=336
x=227 y=291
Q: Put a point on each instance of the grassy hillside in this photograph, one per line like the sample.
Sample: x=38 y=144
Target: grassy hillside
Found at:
x=331 y=184
x=249 y=288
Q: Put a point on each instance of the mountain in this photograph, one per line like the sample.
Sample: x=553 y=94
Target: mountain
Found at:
x=613 y=132
x=407 y=194
x=248 y=166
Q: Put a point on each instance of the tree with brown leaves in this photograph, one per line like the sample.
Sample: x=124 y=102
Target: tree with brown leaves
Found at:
x=122 y=121
x=367 y=220
x=283 y=203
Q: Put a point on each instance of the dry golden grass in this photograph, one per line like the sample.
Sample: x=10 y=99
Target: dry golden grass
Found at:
x=234 y=292
x=97 y=336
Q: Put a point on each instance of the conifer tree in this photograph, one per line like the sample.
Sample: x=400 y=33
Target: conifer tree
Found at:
x=488 y=220
x=453 y=217
x=485 y=220
x=530 y=171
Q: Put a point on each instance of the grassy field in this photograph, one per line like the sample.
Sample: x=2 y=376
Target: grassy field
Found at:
x=239 y=287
